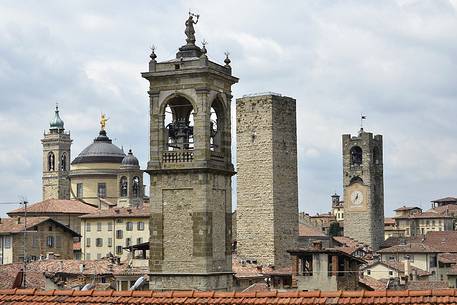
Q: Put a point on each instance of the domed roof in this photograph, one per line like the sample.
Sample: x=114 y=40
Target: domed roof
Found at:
x=56 y=122
x=101 y=151
x=130 y=160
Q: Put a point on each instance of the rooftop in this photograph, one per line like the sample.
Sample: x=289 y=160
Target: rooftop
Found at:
x=142 y=211
x=419 y=297
x=57 y=206
x=405 y=208
x=16 y=224
x=306 y=230
x=410 y=248
x=446 y=199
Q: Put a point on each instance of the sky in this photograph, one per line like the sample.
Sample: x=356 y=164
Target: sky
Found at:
x=393 y=61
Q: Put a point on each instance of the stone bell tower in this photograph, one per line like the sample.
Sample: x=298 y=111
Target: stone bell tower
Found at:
x=363 y=188
x=56 y=160
x=190 y=167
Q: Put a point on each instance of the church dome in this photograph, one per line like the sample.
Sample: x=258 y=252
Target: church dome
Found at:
x=56 y=122
x=130 y=160
x=101 y=151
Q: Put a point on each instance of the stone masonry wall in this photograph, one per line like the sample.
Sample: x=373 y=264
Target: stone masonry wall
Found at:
x=267 y=208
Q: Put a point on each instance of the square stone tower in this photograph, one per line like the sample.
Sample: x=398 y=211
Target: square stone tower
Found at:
x=56 y=160
x=191 y=168
x=267 y=199
x=363 y=188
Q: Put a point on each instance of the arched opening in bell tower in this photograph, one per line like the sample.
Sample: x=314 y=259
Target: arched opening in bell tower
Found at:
x=51 y=161
x=123 y=187
x=356 y=155
x=179 y=124
x=216 y=125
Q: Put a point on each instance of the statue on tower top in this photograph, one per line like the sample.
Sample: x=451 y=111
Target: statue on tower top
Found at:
x=103 y=120
x=190 y=32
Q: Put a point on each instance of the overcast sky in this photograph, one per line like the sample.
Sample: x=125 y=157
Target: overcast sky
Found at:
x=394 y=61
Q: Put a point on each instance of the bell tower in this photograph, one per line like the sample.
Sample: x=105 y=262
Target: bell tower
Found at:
x=191 y=168
x=363 y=188
x=56 y=160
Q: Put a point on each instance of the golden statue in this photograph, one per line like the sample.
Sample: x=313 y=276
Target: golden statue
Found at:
x=103 y=121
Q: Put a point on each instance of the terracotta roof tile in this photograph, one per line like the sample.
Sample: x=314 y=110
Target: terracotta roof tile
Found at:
x=57 y=206
x=142 y=211
x=422 y=297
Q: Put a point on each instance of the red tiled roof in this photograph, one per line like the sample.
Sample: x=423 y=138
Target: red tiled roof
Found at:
x=372 y=283
x=450 y=209
x=410 y=248
x=16 y=224
x=405 y=208
x=57 y=206
x=446 y=199
x=142 y=211
x=444 y=241
x=389 y=221
x=447 y=258
x=306 y=230
x=420 y=297
x=346 y=241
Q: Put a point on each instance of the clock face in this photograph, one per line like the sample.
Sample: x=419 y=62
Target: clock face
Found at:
x=357 y=198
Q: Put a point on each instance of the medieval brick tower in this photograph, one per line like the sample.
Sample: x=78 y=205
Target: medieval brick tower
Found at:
x=56 y=160
x=267 y=199
x=191 y=168
x=363 y=188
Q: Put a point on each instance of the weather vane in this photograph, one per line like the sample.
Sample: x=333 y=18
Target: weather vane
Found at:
x=362 y=117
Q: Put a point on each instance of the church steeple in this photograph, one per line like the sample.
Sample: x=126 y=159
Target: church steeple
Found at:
x=56 y=160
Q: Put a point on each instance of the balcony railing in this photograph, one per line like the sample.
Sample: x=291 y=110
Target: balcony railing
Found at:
x=177 y=156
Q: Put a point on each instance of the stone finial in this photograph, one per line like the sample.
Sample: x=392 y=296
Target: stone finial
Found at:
x=227 y=59
x=204 y=43
x=152 y=62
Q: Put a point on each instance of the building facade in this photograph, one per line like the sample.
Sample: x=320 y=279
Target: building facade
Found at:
x=191 y=168
x=363 y=188
x=110 y=231
x=56 y=160
x=44 y=236
x=267 y=192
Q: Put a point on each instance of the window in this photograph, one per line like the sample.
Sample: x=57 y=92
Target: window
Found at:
x=87 y=256
x=99 y=226
x=101 y=190
x=50 y=241
x=368 y=272
x=391 y=273
x=119 y=250
x=34 y=242
x=139 y=240
x=119 y=234
x=123 y=186
x=99 y=255
x=110 y=226
x=7 y=242
x=79 y=190
x=87 y=242
x=50 y=228
x=87 y=226
x=136 y=187
x=58 y=242
x=110 y=242
x=391 y=258
x=51 y=161
x=63 y=162
x=99 y=242
x=356 y=155
x=140 y=226
x=129 y=226
x=128 y=242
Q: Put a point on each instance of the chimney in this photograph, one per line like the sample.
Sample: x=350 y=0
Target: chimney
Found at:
x=407 y=268
x=317 y=244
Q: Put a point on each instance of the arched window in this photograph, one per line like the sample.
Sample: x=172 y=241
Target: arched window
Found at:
x=136 y=187
x=376 y=155
x=356 y=179
x=356 y=155
x=63 y=162
x=216 y=125
x=179 y=124
x=123 y=186
x=51 y=161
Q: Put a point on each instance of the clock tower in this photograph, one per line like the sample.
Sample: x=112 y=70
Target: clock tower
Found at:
x=363 y=188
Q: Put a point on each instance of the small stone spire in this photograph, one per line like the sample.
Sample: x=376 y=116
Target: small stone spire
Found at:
x=152 y=62
x=227 y=59
x=204 y=43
